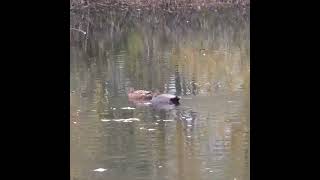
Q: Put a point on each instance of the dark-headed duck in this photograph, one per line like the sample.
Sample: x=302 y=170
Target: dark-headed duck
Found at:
x=165 y=99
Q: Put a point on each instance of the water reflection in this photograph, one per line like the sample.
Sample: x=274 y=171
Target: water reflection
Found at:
x=203 y=57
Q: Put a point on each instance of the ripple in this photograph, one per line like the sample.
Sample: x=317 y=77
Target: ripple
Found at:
x=121 y=120
x=129 y=108
x=100 y=170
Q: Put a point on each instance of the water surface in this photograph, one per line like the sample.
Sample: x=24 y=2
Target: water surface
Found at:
x=201 y=56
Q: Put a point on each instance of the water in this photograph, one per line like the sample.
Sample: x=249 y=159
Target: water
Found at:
x=201 y=56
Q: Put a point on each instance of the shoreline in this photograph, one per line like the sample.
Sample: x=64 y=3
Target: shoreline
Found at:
x=151 y=5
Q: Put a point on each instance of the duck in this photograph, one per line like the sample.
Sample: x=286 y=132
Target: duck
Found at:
x=165 y=99
x=154 y=98
x=139 y=95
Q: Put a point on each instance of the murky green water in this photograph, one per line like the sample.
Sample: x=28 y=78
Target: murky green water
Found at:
x=203 y=57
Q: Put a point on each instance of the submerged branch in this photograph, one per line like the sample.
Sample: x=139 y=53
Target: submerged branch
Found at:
x=79 y=30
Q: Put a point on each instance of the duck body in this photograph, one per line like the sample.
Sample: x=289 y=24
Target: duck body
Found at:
x=152 y=98
x=165 y=99
x=140 y=95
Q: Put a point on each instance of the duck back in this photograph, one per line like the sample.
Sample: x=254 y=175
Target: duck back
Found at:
x=165 y=99
x=140 y=95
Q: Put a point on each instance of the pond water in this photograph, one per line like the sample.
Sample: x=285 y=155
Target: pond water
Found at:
x=204 y=57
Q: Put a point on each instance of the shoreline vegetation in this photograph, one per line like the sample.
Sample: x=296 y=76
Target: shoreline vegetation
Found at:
x=134 y=48
x=82 y=11
x=164 y=5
